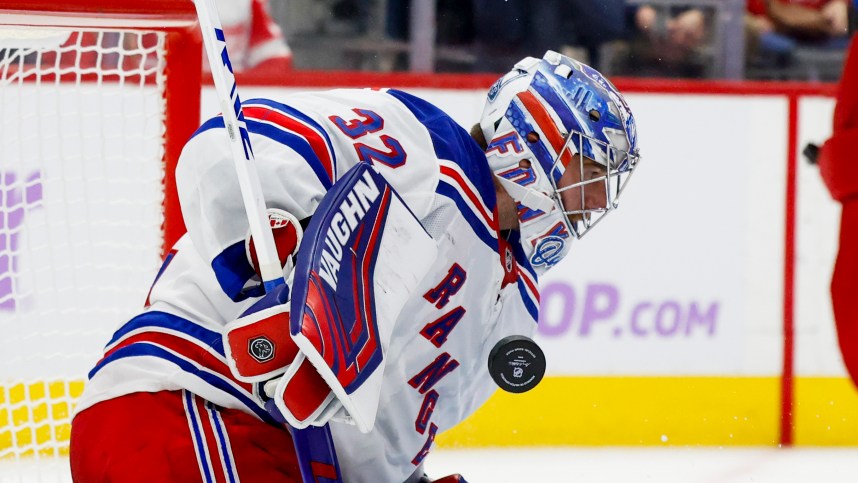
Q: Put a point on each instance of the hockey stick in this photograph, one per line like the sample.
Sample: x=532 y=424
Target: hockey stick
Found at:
x=314 y=446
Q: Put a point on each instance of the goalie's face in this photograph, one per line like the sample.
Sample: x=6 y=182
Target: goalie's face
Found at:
x=582 y=189
x=588 y=177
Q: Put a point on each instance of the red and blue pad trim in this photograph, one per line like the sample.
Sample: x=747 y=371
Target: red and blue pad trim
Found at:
x=333 y=303
x=361 y=259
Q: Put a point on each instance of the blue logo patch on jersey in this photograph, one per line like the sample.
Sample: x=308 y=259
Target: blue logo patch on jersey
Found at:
x=548 y=252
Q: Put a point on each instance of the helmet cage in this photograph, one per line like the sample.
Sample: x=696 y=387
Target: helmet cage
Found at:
x=618 y=167
x=552 y=117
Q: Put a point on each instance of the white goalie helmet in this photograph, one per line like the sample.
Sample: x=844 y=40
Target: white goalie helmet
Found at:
x=563 y=143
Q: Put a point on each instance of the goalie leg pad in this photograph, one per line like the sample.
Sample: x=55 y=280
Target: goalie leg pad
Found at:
x=357 y=268
x=355 y=272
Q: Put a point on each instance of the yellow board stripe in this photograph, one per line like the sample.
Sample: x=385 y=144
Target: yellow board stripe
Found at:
x=588 y=411
x=826 y=412
x=677 y=411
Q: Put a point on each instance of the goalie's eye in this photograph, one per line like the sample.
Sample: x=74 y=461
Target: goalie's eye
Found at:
x=594 y=172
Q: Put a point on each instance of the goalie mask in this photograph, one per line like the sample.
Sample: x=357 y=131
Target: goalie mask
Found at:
x=563 y=143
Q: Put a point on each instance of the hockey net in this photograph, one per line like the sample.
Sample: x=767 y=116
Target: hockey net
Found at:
x=94 y=106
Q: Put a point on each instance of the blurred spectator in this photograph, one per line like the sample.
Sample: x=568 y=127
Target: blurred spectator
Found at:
x=803 y=20
x=778 y=29
x=508 y=31
x=840 y=174
x=454 y=23
x=455 y=27
x=351 y=16
x=666 y=42
x=256 y=43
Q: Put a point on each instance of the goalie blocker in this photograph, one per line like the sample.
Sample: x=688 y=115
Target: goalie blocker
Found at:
x=355 y=270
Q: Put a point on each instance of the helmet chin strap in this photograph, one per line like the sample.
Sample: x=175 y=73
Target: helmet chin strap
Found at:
x=530 y=198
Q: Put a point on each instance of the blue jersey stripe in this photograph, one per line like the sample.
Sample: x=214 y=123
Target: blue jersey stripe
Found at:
x=213 y=123
x=302 y=117
x=164 y=320
x=218 y=121
x=233 y=270
x=472 y=218
x=531 y=307
x=293 y=141
x=224 y=447
x=198 y=435
x=143 y=349
x=453 y=143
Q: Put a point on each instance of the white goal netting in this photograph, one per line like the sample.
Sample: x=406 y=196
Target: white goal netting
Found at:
x=81 y=187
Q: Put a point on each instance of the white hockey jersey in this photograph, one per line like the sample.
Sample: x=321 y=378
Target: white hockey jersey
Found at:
x=480 y=288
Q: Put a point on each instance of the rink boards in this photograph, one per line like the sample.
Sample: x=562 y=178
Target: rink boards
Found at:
x=666 y=325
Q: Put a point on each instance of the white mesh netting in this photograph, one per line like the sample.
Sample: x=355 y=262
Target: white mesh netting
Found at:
x=81 y=144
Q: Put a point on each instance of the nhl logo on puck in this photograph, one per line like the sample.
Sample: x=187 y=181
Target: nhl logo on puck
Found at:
x=516 y=364
x=261 y=349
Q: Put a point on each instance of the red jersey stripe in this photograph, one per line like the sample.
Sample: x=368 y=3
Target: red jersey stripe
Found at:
x=491 y=220
x=316 y=141
x=186 y=349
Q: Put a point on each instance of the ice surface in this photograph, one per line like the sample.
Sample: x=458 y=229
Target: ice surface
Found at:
x=592 y=465
x=657 y=465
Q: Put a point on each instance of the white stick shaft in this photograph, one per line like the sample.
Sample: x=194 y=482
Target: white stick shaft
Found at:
x=306 y=442
x=242 y=153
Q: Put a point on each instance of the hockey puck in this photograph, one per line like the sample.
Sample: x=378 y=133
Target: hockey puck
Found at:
x=516 y=364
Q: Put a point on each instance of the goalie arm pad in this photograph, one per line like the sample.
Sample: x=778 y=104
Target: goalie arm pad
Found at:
x=356 y=270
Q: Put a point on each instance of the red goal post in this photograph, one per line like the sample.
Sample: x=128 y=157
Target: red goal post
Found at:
x=97 y=98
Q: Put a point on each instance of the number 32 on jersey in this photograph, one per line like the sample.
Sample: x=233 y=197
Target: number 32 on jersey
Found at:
x=385 y=150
